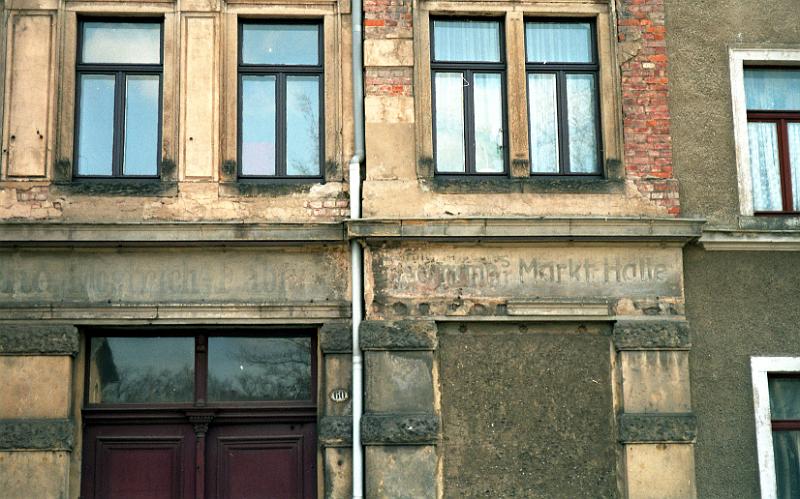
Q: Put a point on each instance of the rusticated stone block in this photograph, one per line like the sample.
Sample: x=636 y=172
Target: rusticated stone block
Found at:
x=648 y=334
x=398 y=335
x=401 y=472
x=33 y=434
x=335 y=431
x=400 y=429
x=657 y=428
x=336 y=337
x=38 y=339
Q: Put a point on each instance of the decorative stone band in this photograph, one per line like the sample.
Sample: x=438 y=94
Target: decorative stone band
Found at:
x=640 y=334
x=335 y=431
x=399 y=429
x=36 y=434
x=336 y=337
x=657 y=428
x=38 y=339
x=398 y=335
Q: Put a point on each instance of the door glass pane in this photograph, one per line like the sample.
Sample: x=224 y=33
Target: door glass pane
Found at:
x=558 y=42
x=794 y=162
x=772 y=89
x=784 y=398
x=488 y=95
x=139 y=370
x=279 y=44
x=302 y=125
x=96 y=126
x=582 y=112
x=474 y=41
x=786 y=445
x=765 y=166
x=543 y=122
x=258 y=125
x=259 y=369
x=121 y=43
x=449 y=112
x=141 y=125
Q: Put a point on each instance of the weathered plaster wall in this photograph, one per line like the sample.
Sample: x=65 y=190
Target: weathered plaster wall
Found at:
x=740 y=304
x=699 y=36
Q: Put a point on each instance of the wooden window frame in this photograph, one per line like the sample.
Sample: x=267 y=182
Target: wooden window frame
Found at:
x=468 y=70
x=281 y=72
x=120 y=73
x=561 y=70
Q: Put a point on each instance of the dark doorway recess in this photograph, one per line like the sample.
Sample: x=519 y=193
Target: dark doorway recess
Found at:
x=200 y=413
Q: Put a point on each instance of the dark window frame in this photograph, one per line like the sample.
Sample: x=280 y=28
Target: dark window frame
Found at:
x=280 y=72
x=468 y=69
x=120 y=73
x=561 y=70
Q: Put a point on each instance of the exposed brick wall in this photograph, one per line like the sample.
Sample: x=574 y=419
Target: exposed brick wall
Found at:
x=645 y=111
x=387 y=19
x=389 y=81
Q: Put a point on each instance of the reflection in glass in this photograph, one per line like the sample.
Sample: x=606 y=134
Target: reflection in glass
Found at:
x=786 y=445
x=488 y=95
x=141 y=125
x=582 y=113
x=302 y=125
x=258 y=125
x=121 y=43
x=139 y=370
x=270 y=44
x=794 y=162
x=772 y=89
x=449 y=90
x=764 y=166
x=462 y=41
x=558 y=42
x=784 y=397
x=543 y=122
x=96 y=126
x=241 y=369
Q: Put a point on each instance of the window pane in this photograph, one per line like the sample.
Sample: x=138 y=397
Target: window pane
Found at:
x=558 y=42
x=449 y=112
x=784 y=398
x=794 y=159
x=280 y=44
x=772 y=89
x=466 y=41
x=259 y=369
x=121 y=43
x=582 y=112
x=258 y=125
x=138 y=370
x=543 y=123
x=141 y=125
x=302 y=125
x=786 y=445
x=488 y=95
x=765 y=166
x=96 y=126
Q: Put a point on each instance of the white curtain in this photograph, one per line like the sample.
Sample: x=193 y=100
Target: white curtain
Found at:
x=543 y=122
x=558 y=42
x=488 y=98
x=473 y=41
x=794 y=159
x=764 y=166
x=449 y=112
x=582 y=113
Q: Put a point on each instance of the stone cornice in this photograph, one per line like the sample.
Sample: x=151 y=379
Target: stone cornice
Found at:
x=750 y=240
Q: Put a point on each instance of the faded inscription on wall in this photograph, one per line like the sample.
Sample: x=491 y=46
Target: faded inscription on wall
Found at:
x=187 y=275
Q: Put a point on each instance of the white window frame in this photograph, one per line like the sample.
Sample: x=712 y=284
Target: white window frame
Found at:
x=761 y=367
x=739 y=58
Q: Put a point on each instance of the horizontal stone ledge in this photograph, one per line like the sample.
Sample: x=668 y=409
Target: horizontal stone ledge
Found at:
x=399 y=429
x=335 y=431
x=38 y=434
x=643 y=334
x=336 y=337
x=38 y=339
x=783 y=239
x=657 y=428
x=398 y=335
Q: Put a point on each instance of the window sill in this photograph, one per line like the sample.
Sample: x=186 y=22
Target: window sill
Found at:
x=540 y=185
x=268 y=187
x=117 y=187
x=777 y=221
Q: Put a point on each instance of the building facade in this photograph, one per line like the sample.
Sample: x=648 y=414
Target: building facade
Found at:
x=176 y=300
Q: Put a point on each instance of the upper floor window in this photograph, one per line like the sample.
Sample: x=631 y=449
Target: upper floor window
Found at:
x=563 y=109
x=773 y=130
x=468 y=72
x=118 y=116
x=280 y=100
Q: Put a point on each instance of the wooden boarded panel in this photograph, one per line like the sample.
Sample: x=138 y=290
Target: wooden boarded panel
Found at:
x=29 y=100
x=200 y=98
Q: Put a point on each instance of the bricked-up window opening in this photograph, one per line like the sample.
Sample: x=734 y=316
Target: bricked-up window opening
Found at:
x=118 y=116
x=784 y=402
x=563 y=105
x=469 y=111
x=280 y=100
x=773 y=129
